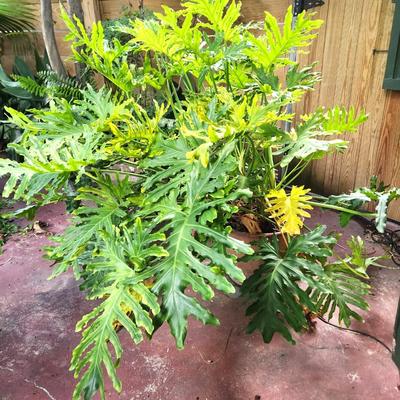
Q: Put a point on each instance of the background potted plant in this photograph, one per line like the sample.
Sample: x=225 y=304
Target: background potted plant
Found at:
x=155 y=189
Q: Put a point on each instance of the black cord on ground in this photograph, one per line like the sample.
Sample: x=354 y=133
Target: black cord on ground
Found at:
x=358 y=332
x=389 y=238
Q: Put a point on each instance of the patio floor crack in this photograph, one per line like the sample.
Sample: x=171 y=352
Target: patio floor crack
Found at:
x=41 y=388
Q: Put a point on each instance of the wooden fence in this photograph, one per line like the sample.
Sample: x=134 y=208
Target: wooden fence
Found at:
x=107 y=9
x=351 y=50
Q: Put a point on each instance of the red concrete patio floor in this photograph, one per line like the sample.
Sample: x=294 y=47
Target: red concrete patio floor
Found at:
x=37 y=319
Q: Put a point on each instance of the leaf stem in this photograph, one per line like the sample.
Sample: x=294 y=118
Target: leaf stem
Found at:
x=297 y=174
x=117 y=171
x=342 y=209
x=271 y=169
x=125 y=161
x=287 y=174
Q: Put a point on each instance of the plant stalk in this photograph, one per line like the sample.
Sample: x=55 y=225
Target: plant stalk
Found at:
x=271 y=169
x=117 y=171
x=342 y=209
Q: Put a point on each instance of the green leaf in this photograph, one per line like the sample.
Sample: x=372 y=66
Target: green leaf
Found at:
x=67 y=139
x=27 y=182
x=357 y=259
x=344 y=219
x=278 y=299
x=27 y=212
x=22 y=68
x=194 y=247
x=272 y=49
x=220 y=15
x=381 y=211
x=303 y=79
x=109 y=200
x=307 y=141
x=362 y=196
x=208 y=216
x=126 y=302
x=342 y=285
x=339 y=120
x=172 y=167
x=105 y=57
x=342 y=289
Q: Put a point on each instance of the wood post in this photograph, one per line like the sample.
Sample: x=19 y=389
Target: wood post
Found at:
x=75 y=10
x=91 y=11
x=49 y=37
x=92 y=14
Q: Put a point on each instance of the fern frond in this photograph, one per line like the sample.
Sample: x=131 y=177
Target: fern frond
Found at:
x=31 y=85
x=48 y=84
x=56 y=86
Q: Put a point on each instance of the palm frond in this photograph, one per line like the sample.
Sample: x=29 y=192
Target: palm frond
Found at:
x=16 y=16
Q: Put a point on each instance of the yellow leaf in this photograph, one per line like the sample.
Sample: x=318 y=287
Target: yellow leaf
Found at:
x=200 y=153
x=114 y=129
x=204 y=154
x=191 y=156
x=198 y=134
x=212 y=134
x=288 y=210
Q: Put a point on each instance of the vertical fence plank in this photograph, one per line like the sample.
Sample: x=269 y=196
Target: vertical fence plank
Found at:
x=353 y=73
x=91 y=11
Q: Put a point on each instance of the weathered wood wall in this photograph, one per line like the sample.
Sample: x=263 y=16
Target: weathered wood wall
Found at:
x=107 y=9
x=7 y=53
x=251 y=9
x=351 y=53
x=351 y=49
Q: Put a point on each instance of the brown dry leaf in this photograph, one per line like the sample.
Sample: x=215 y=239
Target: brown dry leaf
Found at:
x=251 y=223
x=38 y=226
x=149 y=282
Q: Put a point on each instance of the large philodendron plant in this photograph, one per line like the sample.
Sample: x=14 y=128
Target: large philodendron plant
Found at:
x=155 y=190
